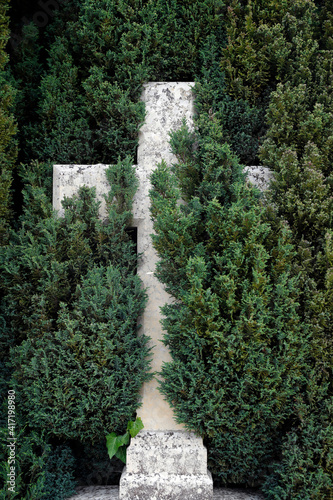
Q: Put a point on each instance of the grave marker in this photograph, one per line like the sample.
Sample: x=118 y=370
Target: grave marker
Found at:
x=164 y=461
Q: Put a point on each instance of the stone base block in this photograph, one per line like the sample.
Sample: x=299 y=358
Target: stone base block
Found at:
x=163 y=486
x=173 y=452
x=166 y=465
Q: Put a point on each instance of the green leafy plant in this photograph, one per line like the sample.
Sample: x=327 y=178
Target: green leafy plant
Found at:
x=117 y=445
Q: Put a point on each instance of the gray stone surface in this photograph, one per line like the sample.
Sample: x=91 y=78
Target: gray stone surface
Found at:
x=166 y=486
x=173 y=452
x=169 y=465
x=67 y=179
x=166 y=106
x=259 y=176
x=112 y=493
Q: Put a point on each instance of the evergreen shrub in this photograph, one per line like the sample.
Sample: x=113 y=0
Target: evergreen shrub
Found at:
x=285 y=48
x=37 y=468
x=305 y=470
x=242 y=122
x=72 y=300
x=8 y=144
x=238 y=348
x=299 y=148
x=82 y=378
x=267 y=43
x=86 y=97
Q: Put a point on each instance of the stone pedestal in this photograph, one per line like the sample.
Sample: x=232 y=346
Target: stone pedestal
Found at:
x=166 y=465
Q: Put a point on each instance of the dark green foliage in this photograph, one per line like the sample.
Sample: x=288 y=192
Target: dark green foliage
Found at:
x=252 y=325
x=268 y=43
x=299 y=148
x=59 y=486
x=93 y=465
x=264 y=41
x=8 y=145
x=8 y=156
x=63 y=134
x=38 y=464
x=286 y=47
x=82 y=378
x=183 y=28
x=72 y=301
x=234 y=334
x=242 y=122
x=100 y=54
x=306 y=468
x=27 y=68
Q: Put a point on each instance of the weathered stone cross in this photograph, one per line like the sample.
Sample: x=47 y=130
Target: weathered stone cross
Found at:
x=164 y=461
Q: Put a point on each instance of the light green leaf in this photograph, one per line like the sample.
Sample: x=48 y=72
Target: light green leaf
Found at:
x=135 y=427
x=114 y=442
x=124 y=440
x=111 y=444
x=121 y=454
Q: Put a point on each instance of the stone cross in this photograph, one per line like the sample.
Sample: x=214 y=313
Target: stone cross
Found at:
x=164 y=461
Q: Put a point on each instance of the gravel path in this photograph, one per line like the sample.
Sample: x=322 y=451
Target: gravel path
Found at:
x=111 y=493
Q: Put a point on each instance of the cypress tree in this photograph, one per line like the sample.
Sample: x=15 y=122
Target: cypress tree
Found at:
x=242 y=122
x=72 y=299
x=8 y=145
x=291 y=77
x=233 y=331
x=298 y=148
